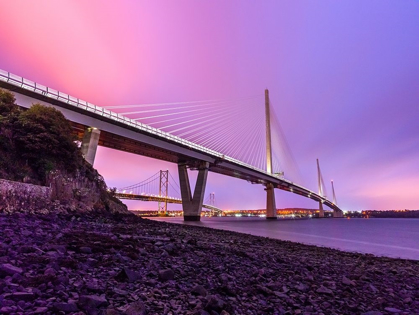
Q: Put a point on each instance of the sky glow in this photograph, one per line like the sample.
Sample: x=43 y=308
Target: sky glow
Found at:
x=343 y=78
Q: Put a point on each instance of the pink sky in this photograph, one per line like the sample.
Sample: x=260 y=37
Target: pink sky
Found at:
x=343 y=78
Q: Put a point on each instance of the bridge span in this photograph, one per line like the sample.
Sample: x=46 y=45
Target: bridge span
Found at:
x=156 y=198
x=95 y=125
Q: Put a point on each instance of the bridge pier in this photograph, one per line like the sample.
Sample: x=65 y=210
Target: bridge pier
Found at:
x=192 y=205
x=89 y=144
x=321 y=211
x=270 y=202
x=337 y=213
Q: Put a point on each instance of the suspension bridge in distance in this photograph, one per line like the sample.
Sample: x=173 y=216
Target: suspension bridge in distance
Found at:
x=232 y=137
x=156 y=188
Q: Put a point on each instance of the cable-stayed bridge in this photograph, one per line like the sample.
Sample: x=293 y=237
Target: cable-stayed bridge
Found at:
x=240 y=138
x=156 y=188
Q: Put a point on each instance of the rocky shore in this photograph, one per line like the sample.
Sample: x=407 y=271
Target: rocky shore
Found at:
x=66 y=264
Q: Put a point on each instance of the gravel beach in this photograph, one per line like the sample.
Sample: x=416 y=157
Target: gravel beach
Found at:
x=91 y=264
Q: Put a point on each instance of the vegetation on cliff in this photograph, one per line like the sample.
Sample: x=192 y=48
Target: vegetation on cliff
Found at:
x=37 y=146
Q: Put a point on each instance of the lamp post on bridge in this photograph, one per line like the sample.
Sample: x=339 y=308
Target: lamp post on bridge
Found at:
x=270 y=190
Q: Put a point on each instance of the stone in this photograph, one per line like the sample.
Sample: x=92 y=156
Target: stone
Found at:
x=92 y=301
x=85 y=250
x=199 y=290
x=302 y=287
x=214 y=303
x=373 y=288
x=136 y=308
x=41 y=310
x=50 y=272
x=392 y=310
x=94 y=286
x=325 y=290
x=66 y=307
x=112 y=311
x=347 y=281
x=6 y=310
x=372 y=313
x=24 y=296
x=128 y=275
x=166 y=274
x=9 y=270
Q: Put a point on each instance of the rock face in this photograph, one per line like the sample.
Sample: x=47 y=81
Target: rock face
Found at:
x=62 y=197
x=121 y=264
x=15 y=196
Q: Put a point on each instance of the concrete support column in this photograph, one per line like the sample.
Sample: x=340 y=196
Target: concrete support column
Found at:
x=270 y=202
x=89 y=144
x=192 y=205
x=337 y=213
x=321 y=211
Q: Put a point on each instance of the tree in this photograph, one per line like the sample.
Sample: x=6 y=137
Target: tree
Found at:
x=7 y=102
x=44 y=138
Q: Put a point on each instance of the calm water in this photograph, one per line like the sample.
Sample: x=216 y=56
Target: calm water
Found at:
x=382 y=237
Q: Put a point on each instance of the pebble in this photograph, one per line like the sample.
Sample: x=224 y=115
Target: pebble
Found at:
x=9 y=270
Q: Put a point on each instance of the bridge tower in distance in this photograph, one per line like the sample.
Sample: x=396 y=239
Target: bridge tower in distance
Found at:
x=270 y=189
x=321 y=189
x=212 y=201
x=163 y=191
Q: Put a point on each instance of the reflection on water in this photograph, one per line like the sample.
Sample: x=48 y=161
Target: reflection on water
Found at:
x=382 y=237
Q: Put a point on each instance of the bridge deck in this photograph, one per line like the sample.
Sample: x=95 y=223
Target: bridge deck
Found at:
x=121 y=133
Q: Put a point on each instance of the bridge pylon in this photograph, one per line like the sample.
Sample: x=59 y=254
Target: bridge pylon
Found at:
x=270 y=189
x=192 y=205
x=337 y=213
x=321 y=189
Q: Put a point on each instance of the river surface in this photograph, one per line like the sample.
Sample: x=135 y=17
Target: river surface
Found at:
x=381 y=237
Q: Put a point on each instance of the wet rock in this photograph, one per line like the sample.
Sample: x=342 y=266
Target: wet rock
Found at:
x=66 y=307
x=214 y=303
x=199 y=290
x=128 y=275
x=92 y=301
x=50 y=272
x=9 y=270
x=347 y=281
x=324 y=290
x=6 y=310
x=40 y=310
x=21 y=296
x=136 y=308
x=166 y=274
x=85 y=250
x=392 y=310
